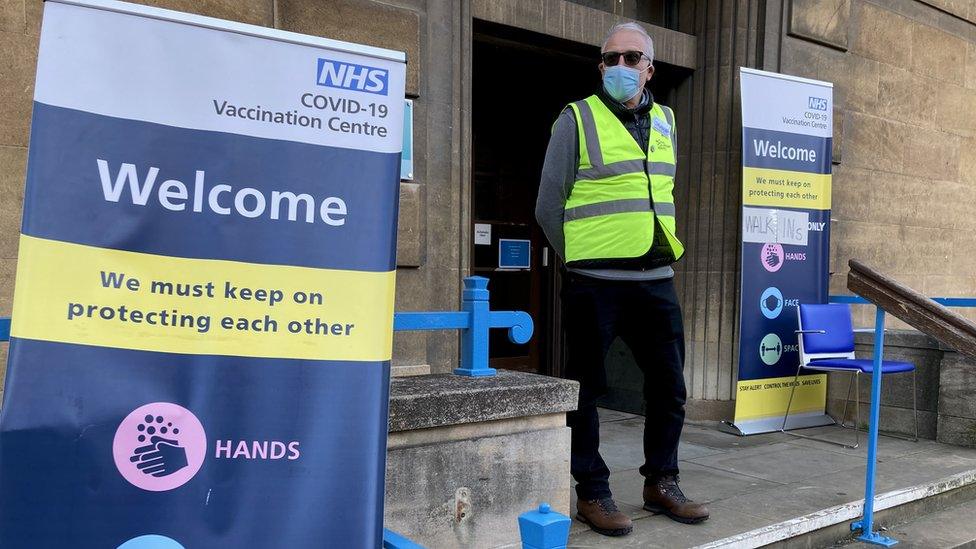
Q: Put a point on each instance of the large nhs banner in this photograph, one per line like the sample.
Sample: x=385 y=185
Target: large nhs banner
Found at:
x=787 y=129
x=202 y=326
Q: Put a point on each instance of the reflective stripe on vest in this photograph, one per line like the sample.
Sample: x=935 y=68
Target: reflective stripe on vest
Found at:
x=609 y=214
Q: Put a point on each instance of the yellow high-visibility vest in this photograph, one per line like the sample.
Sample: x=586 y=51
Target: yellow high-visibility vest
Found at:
x=619 y=188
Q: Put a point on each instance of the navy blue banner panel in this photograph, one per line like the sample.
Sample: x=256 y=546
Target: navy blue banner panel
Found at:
x=202 y=323
x=787 y=130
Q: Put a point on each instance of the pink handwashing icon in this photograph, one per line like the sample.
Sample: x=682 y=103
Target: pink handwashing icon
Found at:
x=159 y=446
x=772 y=256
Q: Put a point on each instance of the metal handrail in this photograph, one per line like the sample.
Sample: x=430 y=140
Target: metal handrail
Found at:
x=962 y=302
x=475 y=319
x=926 y=315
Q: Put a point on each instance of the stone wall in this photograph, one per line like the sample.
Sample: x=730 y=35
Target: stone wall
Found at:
x=957 y=407
x=467 y=456
x=708 y=190
x=429 y=275
x=904 y=132
x=19 y=27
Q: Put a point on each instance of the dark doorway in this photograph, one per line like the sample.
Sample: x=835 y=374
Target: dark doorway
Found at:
x=521 y=82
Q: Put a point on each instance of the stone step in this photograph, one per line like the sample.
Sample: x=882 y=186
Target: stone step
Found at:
x=831 y=527
x=952 y=528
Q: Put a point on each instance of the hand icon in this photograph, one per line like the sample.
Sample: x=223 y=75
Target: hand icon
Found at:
x=161 y=457
x=772 y=259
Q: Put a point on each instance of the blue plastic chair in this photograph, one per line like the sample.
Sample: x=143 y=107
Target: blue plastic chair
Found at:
x=826 y=338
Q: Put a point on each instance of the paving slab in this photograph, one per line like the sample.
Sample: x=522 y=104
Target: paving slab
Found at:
x=659 y=531
x=708 y=434
x=759 y=481
x=607 y=414
x=709 y=485
x=628 y=487
x=888 y=447
x=726 y=520
x=786 y=501
x=688 y=451
x=781 y=462
x=621 y=444
x=647 y=533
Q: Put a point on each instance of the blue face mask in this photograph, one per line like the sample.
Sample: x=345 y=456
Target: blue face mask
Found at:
x=622 y=83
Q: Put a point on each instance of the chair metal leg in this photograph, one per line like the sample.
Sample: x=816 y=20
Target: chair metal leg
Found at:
x=790 y=402
x=850 y=386
x=855 y=382
x=808 y=437
x=857 y=407
x=915 y=401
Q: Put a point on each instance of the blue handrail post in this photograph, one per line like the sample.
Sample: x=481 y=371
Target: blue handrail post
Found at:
x=866 y=524
x=474 y=340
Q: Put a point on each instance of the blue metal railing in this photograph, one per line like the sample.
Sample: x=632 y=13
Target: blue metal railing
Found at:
x=866 y=524
x=963 y=302
x=474 y=319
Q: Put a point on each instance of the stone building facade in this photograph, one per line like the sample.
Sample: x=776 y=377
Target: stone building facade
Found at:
x=904 y=143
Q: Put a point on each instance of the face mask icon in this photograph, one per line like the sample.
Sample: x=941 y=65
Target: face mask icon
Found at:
x=771 y=302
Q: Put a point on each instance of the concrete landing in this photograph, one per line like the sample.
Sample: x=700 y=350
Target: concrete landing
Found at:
x=756 y=487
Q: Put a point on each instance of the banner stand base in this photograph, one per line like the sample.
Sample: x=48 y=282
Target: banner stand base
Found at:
x=727 y=426
x=774 y=424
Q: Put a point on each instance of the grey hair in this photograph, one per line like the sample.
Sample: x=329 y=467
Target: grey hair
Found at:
x=631 y=26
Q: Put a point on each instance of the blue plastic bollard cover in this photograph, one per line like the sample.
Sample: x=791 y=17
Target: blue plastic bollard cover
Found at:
x=544 y=528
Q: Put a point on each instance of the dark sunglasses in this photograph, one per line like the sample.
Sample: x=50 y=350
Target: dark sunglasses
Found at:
x=631 y=58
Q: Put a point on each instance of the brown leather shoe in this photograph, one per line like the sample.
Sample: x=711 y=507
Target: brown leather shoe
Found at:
x=664 y=496
x=603 y=517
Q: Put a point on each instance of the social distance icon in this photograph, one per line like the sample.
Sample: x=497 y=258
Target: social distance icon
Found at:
x=770 y=349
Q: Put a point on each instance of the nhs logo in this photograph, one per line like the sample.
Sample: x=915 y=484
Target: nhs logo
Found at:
x=817 y=103
x=348 y=76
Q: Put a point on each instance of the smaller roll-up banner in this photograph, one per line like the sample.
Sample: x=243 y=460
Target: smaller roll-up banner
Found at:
x=787 y=128
x=202 y=322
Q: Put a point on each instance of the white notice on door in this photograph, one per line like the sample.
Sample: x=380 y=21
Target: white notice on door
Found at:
x=482 y=234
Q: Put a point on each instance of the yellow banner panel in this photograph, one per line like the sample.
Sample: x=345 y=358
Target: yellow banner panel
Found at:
x=785 y=189
x=71 y=293
x=764 y=398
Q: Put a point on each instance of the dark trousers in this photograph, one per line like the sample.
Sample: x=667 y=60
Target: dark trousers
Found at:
x=647 y=317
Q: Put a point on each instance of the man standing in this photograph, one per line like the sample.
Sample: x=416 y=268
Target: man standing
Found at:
x=606 y=205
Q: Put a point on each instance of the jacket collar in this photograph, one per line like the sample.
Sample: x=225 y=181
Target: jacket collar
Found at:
x=621 y=111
